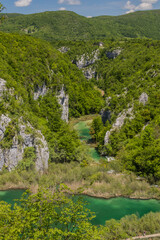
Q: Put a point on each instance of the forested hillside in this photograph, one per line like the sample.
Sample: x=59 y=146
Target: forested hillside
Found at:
x=65 y=25
x=128 y=72
x=33 y=76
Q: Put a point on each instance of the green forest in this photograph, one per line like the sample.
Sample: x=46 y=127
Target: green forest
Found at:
x=45 y=54
x=67 y=25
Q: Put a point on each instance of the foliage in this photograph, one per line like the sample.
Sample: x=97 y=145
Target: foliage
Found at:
x=46 y=215
x=27 y=163
x=28 y=67
x=66 y=25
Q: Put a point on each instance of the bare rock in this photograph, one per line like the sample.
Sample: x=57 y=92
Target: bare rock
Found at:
x=113 y=54
x=10 y=157
x=2 y=86
x=89 y=73
x=118 y=123
x=40 y=91
x=86 y=60
x=143 y=98
x=63 y=100
x=64 y=49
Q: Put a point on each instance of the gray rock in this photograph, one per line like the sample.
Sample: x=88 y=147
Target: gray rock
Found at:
x=63 y=100
x=143 y=98
x=64 y=49
x=118 y=123
x=89 y=73
x=4 y=121
x=113 y=54
x=86 y=60
x=10 y=157
x=2 y=86
x=42 y=152
x=40 y=91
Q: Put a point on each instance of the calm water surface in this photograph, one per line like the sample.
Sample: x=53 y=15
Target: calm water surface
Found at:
x=83 y=129
x=104 y=209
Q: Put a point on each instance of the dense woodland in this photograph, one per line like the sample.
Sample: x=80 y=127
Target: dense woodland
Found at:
x=66 y=25
x=27 y=64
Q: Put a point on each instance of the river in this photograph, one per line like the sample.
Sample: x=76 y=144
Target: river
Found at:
x=83 y=129
x=104 y=209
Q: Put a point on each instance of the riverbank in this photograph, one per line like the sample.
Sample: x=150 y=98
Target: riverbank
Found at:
x=92 y=180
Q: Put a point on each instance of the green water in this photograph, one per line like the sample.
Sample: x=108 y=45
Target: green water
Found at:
x=119 y=207
x=104 y=209
x=84 y=134
x=83 y=130
x=11 y=195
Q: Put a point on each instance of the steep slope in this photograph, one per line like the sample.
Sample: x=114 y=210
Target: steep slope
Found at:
x=129 y=74
x=65 y=25
x=39 y=87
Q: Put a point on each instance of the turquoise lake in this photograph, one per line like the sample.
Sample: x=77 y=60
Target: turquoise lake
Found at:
x=104 y=209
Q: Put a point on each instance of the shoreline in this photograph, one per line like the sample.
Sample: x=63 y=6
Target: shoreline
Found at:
x=85 y=194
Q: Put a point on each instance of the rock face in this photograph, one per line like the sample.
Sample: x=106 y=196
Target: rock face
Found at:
x=89 y=73
x=63 y=100
x=40 y=91
x=10 y=157
x=143 y=98
x=2 y=86
x=64 y=49
x=86 y=60
x=118 y=123
x=113 y=54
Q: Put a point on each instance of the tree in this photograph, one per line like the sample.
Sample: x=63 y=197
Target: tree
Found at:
x=47 y=215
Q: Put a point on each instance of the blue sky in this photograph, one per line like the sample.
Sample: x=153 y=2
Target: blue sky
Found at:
x=82 y=7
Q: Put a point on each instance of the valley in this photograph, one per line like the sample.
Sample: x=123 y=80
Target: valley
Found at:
x=79 y=115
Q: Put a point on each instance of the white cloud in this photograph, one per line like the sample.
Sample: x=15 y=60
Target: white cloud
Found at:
x=22 y=3
x=144 y=5
x=62 y=9
x=70 y=2
x=130 y=11
x=89 y=16
x=129 y=6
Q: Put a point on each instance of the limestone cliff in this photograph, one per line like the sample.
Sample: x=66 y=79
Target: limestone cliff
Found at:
x=63 y=100
x=40 y=91
x=85 y=60
x=10 y=156
x=113 y=54
x=118 y=123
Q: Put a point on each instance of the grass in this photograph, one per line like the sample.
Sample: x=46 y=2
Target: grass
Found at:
x=93 y=180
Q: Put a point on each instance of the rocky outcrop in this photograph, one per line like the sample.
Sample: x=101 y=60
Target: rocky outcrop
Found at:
x=64 y=49
x=63 y=100
x=9 y=157
x=113 y=54
x=89 y=73
x=2 y=86
x=40 y=91
x=143 y=98
x=86 y=60
x=118 y=123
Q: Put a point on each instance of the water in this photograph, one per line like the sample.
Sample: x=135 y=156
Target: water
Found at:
x=11 y=195
x=104 y=209
x=83 y=130
x=119 y=207
x=84 y=133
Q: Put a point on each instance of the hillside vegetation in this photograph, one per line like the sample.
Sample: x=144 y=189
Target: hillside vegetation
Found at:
x=65 y=25
x=126 y=79
x=29 y=65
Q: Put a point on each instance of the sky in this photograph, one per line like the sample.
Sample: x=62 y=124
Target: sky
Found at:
x=87 y=8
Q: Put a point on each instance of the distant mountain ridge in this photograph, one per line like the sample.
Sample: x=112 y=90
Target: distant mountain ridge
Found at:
x=66 y=25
